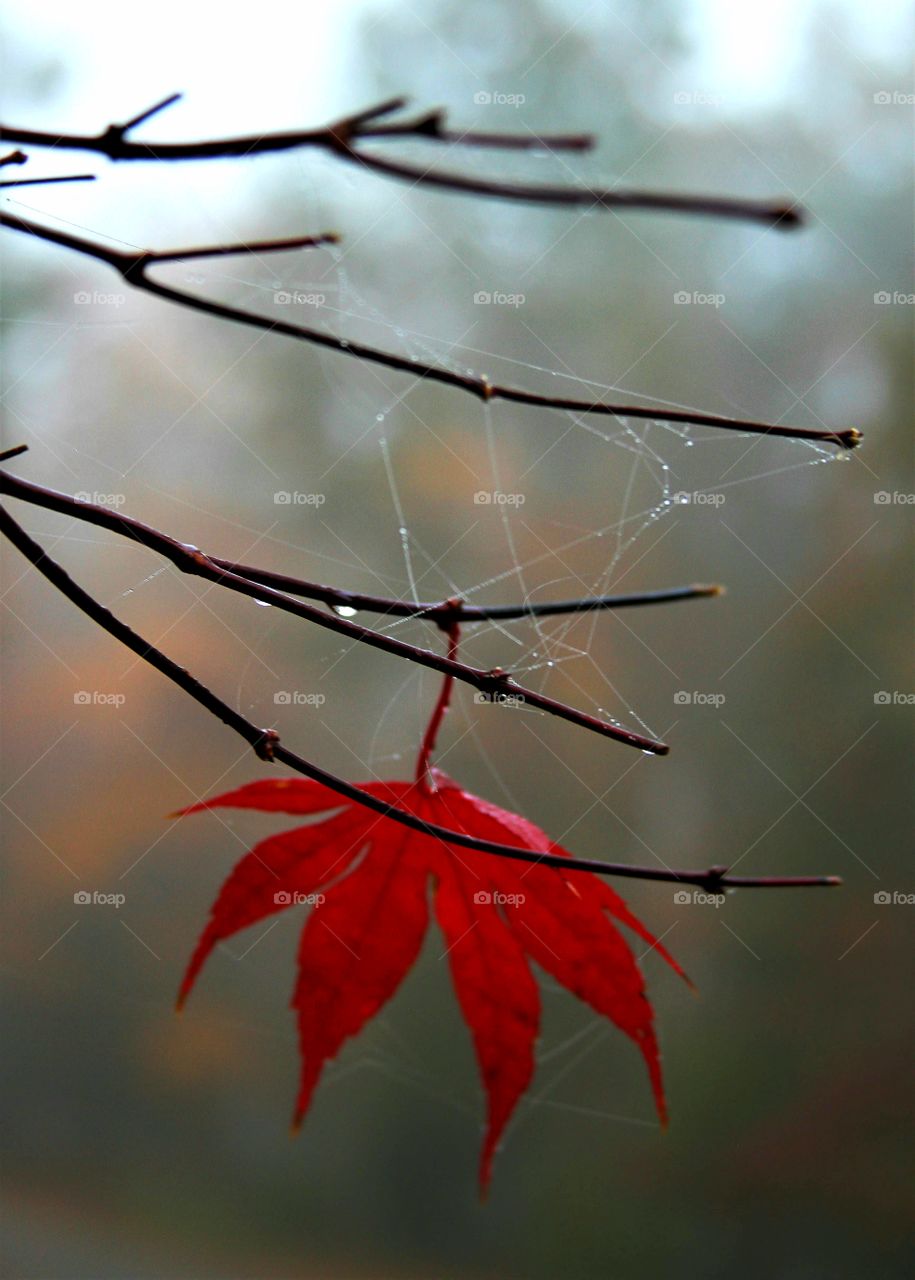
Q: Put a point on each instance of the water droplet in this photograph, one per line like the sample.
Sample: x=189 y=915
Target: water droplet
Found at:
x=379 y=417
x=344 y=611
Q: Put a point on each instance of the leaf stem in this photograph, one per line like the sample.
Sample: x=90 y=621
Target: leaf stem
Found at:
x=424 y=776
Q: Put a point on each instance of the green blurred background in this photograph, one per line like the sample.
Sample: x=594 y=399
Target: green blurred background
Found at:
x=142 y=1145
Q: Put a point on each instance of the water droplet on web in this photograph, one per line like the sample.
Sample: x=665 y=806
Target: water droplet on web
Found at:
x=344 y=611
x=379 y=417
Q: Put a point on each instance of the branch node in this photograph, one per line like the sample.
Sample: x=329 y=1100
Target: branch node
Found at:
x=266 y=744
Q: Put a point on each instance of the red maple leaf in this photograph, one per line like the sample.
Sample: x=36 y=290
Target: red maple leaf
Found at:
x=369 y=879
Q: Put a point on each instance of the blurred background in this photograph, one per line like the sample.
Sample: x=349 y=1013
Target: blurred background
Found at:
x=143 y=1145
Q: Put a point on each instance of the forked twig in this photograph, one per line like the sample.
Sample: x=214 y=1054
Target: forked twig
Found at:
x=495 y=683
x=344 y=136
x=267 y=745
x=133 y=266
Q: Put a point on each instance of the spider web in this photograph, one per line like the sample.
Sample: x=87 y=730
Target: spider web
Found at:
x=531 y=541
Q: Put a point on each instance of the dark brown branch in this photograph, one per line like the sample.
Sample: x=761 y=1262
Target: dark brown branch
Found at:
x=463 y=613
x=267 y=745
x=495 y=683
x=134 y=267
x=343 y=139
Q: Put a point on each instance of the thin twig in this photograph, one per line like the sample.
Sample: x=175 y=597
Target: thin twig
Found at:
x=19 y=157
x=268 y=747
x=495 y=683
x=462 y=612
x=134 y=265
x=344 y=136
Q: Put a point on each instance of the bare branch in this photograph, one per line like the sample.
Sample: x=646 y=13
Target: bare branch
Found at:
x=495 y=683
x=343 y=138
x=134 y=267
x=446 y=612
x=267 y=745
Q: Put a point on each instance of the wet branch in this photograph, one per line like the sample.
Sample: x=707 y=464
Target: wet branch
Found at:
x=133 y=266
x=496 y=684
x=267 y=745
